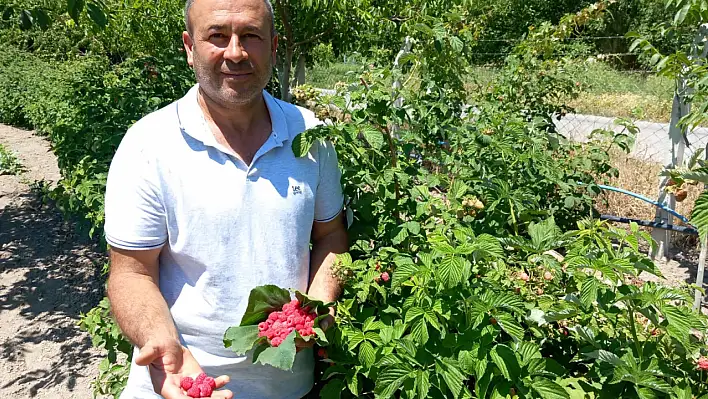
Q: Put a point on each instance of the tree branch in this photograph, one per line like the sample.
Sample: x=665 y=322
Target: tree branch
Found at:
x=313 y=38
x=285 y=19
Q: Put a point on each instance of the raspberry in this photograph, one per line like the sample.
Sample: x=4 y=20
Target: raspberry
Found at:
x=200 y=378
x=703 y=363
x=322 y=353
x=385 y=277
x=194 y=392
x=273 y=316
x=262 y=326
x=186 y=383
x=548 y=276
x=211 y=382
x=205 y=390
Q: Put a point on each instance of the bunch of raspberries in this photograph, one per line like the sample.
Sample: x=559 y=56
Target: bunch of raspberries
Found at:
x=282 y=323
x=200 y=387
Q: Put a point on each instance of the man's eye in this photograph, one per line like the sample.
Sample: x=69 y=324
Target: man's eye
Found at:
x=216 y=36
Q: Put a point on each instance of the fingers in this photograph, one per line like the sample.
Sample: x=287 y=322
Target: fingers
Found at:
x=327 y=322
x=221 y=381
x=147 y=354
x=223 y=394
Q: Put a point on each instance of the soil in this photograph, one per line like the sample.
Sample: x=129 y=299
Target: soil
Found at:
x=49 y=275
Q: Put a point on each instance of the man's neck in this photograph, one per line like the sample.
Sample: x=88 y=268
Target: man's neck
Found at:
x=239 y=121
x=243 y=129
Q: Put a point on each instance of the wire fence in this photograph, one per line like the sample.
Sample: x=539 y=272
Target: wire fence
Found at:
x=653 y=142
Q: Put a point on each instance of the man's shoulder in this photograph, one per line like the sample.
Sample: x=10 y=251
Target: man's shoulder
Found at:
x=153 y=129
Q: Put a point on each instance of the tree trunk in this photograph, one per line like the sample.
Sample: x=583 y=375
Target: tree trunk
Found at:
x=300 y=71
x=285 y=75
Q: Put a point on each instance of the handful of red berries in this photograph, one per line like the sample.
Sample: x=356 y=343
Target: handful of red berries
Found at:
x=282 y=323
x=201 y=387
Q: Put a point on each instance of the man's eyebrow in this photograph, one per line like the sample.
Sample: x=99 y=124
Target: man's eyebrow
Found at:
x=247 y=28
x=216 y=27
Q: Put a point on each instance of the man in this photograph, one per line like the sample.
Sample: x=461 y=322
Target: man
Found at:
x=205 y=200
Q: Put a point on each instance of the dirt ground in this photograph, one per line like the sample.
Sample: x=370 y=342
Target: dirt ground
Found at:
x=49 y=275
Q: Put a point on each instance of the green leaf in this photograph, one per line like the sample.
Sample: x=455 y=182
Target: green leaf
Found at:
x=506 y=361
x=241 y=339
x=588 y=292
x=391 y=378
x=699 y=215
x=422 y=384
x=333 y=389
x=41 y=18
x=605 y=356
x=353 y=383
x=548 y=389
x=95 y=12
x=263 y=300
x=458 y=189
x=451 y=270
x=74 y=8
x=355 y=338
x=302 y=143
x=456 y=44
x=453 y=377
x=281 y=357
x=682 y=13
x=509 y=324
x=414 y=313
x=419 y=331
x=374 y=137
x=26 y=19
x=367 y=354
x=403 y=272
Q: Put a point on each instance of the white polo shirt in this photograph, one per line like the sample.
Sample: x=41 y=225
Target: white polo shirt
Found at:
x=226 y=228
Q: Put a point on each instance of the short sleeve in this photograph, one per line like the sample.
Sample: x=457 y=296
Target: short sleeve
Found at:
x=134 y=211
x=329 y=198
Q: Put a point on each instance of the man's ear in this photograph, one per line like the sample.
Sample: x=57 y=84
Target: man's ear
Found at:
x=274 y=47
x=188 y=47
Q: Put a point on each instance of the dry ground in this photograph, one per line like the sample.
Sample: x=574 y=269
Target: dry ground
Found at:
x=49 y=275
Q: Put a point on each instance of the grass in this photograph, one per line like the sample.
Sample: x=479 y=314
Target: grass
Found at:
x=642 y=177
x=9 y=164
x=609 y=92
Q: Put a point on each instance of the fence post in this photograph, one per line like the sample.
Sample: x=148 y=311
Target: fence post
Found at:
x=678 y=147
x=698 y=298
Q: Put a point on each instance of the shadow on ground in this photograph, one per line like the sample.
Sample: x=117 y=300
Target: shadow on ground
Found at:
x=49 y=275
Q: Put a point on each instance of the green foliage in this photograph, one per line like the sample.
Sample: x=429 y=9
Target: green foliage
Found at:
x=105 y=334
x=262 y=301
x=9 y=164
x=501 y=286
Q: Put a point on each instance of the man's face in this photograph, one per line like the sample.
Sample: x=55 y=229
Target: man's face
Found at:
x=231 y=49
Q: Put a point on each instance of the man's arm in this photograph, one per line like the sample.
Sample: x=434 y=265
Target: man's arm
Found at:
x=328 y=240
x=136 y=300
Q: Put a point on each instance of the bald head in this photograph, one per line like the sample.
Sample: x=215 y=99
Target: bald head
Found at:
x=188 y=6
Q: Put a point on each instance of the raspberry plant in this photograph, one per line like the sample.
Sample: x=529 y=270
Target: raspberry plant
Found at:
x=273 y=322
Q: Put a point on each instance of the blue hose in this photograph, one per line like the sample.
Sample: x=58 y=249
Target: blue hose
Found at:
x=645 y=199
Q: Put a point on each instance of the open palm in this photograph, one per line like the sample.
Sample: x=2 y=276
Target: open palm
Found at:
x=168 y=364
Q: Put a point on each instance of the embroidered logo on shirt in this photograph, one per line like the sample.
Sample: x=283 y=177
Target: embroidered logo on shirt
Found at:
x=297 y=190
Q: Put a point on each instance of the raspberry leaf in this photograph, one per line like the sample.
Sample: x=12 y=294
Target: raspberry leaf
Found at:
x=281 y=357
x=317 y=306
x=263 y=300
x=241 y=339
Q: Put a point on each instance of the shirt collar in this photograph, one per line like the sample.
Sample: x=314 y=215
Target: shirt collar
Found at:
x=192 y=121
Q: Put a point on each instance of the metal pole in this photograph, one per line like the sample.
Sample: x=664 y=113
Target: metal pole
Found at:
x=698 y=299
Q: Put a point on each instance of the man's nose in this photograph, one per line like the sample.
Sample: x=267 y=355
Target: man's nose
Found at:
x=235 y=51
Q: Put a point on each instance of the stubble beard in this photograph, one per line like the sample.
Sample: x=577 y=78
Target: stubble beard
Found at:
x=216 y=87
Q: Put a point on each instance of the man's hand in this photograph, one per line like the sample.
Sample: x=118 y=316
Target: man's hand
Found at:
x=168 y=362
